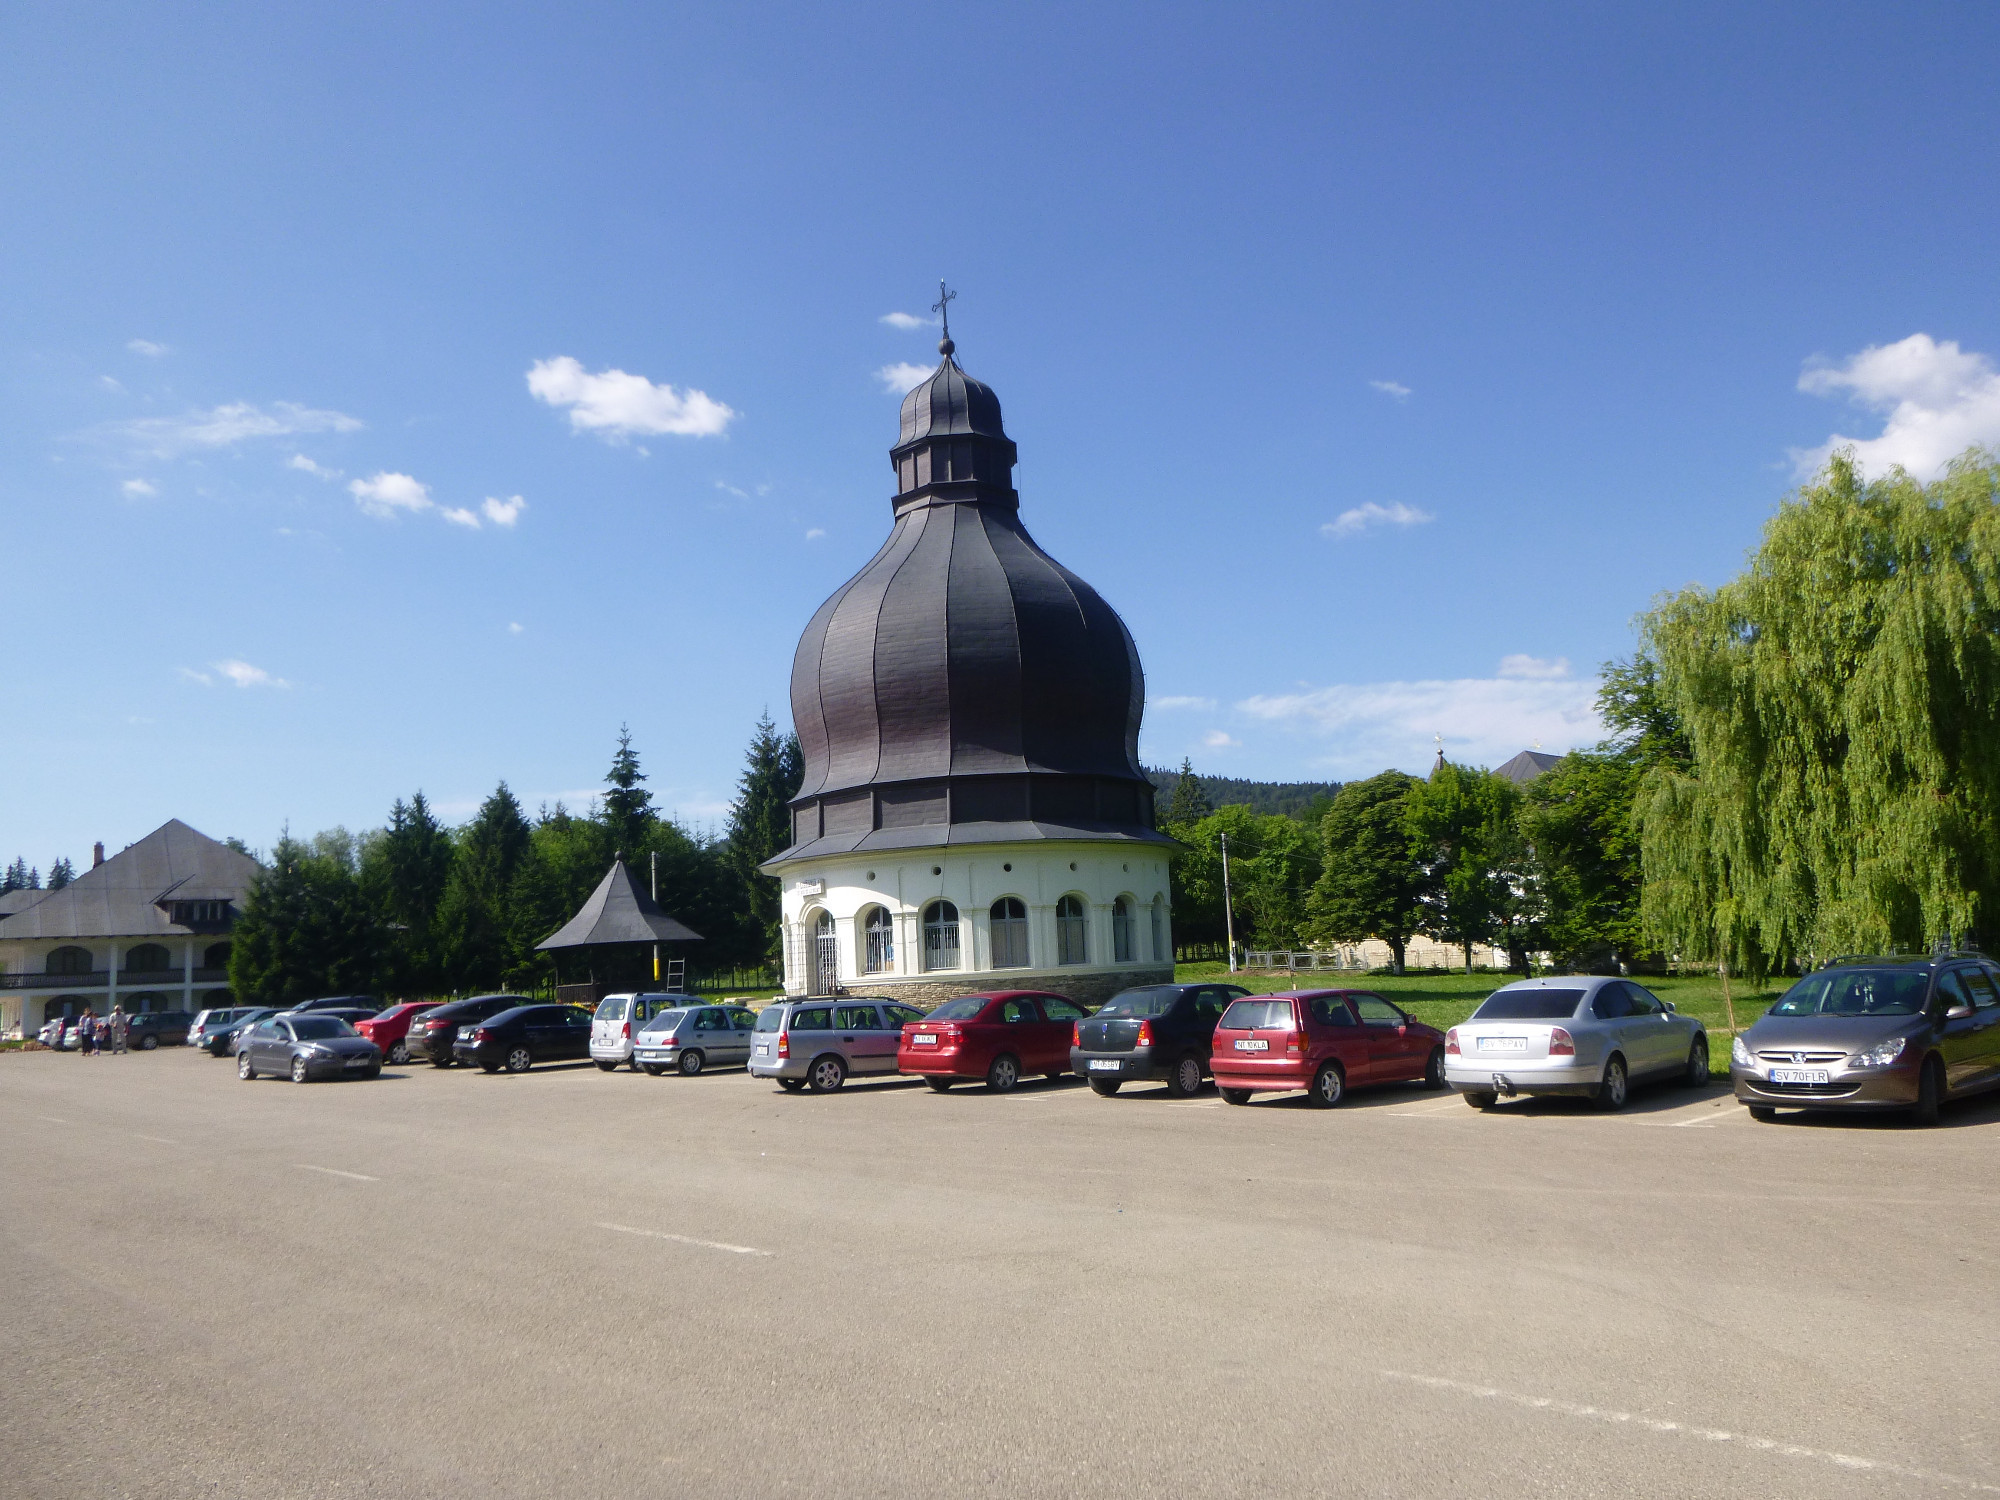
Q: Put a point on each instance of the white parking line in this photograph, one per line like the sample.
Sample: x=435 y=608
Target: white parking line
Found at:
x=1422 y=1111
x=1706 y=1434
x=51 y=1120
x=306 y=1166
x=681 y=1239
x=157 y=1140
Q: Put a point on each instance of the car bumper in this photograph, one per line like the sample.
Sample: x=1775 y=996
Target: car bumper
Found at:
x=1284 y=1073
x=341 y=1067
x=654 y=1057
x=1536 y=1076
x=612 y=1052
x=1884 y=1088
x=942 y=1062
x=776 y=1067
x=1120 y=1066
x=474 y=1052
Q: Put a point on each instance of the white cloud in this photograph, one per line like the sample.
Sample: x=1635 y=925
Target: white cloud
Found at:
x=813 y=534
x=1538 y=667
x=616 y=406
x=1181 y=702
x=1215 y=739
x=1484 y=720
x=1938 y=399
x=1368 y=517
x=515 y=627
x=908 y=320
x=387 y=493
x=1392 y=388
x=111 y=385
x=901 y=378
x=246 y=676
x=146 y=347
x=193 y=676
x=503 y=512
x=137 y=489
x=225 y=426
x=306 y=466
x=459 y=517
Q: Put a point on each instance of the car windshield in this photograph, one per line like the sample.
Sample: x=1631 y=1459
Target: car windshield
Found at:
x=771 y=1018
x=1259 y=1015
x=962 y=1009
x=1529 y=1005
x=1137 y=1003
x=320 y=1028
x=1856 y=992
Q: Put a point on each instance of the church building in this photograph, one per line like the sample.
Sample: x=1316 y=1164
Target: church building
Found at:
x=973 y=814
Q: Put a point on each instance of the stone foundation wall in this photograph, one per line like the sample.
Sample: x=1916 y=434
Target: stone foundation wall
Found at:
x=1088 y=989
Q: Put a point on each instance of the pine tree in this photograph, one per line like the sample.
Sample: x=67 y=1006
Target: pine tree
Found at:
x=306 y=929
x=405 y=873
x=474 y=919
x=627 y=810
x=1370 y=883
x=61 y=873
x=1189 y=803
x=16 y=878
x=760 y=825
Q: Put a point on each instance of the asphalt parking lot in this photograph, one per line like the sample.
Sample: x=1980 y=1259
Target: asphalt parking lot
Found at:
x=566 y=1282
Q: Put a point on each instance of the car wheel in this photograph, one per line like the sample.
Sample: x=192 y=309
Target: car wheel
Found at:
x=440 y=1062
x=1434 y=1069
x=1763 y=1112
x=148 y=1043
x=791 y=1085
x=1481 y=1098
x=298 y=1070
x=1329 y=1086
x=1612 y=1091
x=1930 y=1093
x=519 y=1060
x=604 y=1065
x=244 y=1069
x=1004 y=1074
x=1105 y=1087
x=1234 y=1096
x=489 y=1067
x=399 y=1053
x=632 y=1062
x=651 y=1070
x=1697 y=1069
x=691 y=1063
x=1185 y=1081
x=374 y=1072
x=826 y=1075
x=939 y=1085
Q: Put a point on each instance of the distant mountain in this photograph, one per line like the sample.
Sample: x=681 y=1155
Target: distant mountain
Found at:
x=1289 y=797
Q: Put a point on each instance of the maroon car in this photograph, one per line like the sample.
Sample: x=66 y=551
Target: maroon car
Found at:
x=1321 y=1041
x=390 y=1029
x=998 y=1037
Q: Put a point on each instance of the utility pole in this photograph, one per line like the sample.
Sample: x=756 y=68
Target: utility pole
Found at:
x=1228 y=917
x=654 y=860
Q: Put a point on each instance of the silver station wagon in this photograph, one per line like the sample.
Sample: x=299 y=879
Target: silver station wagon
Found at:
x=1592 y=1037
x=691 y=1037
x=816 y=1043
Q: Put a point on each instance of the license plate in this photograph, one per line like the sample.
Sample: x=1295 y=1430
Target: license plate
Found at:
x=1799 y=1075
x=763 y=1049
x=357 y=1062
x=1503 y=1044
x=1253 y=1044
x=1106 y=1065
x=923 y=1039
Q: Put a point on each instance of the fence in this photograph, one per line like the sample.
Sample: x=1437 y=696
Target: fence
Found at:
x=1276 y=958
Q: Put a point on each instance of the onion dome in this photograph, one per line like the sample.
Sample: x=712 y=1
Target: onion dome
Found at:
x=964 y=687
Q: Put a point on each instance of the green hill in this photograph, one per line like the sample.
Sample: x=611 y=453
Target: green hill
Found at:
x=1290 y=797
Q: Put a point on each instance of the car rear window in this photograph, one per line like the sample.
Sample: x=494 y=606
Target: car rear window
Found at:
x=667 y=1020
x=1529 y=1005
x=965 y=1008
x=1856 y=992
x=771 y=1018
x=1134 y=1004
x=612 y=1009
x=1259 y=1015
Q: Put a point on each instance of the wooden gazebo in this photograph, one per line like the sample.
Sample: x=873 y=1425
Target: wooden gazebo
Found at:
x=613 y=929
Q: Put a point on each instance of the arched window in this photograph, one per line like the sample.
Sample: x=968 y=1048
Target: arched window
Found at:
x=880 y=931
x=826 y=954
x=215 y=956
x=940 y=936
x=1072 y=931
x=1160 y=954
x=69 y=961
x=1121 y=930
x=149 y=958
x=1010 y=934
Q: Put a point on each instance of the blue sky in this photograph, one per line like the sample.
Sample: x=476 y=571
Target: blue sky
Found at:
x=398 y=397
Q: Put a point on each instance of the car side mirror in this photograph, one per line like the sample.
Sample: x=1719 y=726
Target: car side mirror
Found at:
x=1669 y=1005
x=1957 y=1012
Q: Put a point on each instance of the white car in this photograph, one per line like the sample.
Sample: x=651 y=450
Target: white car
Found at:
x=619 y=1018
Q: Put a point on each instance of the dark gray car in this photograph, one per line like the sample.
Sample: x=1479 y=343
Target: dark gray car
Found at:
x=305 y=1047
x=1875 y=1034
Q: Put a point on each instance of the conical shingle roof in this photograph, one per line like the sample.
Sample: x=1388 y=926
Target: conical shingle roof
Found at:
x=618 y=911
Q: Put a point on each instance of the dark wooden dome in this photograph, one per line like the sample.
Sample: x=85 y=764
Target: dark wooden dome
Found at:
x=964 y=687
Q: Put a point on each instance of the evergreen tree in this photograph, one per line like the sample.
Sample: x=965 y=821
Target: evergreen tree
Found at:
x=405 y=873
x=474 y=918
x=17 y=877
x=760 y=825
x=627 y=809
x=306 y=930
x=61 y=873
x=1369 y=884
x=1189 y=803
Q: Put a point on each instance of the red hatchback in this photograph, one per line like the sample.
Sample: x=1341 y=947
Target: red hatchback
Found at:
x=997 y=1037
x=1321 y=1041
x=391 y=1029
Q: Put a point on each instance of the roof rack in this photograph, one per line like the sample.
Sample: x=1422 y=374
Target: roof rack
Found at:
x=1941 y=952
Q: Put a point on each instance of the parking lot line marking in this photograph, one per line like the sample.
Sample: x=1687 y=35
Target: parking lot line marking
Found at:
x=681 y=1239
x=306 y=1166
x=157 y=1140
x=1705 y=1434
x=51 y=1120
x=1420 y=1111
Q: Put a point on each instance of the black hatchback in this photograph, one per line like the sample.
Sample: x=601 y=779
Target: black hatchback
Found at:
x=518 y=1039
x=432 y=1033
x=1155 y=1032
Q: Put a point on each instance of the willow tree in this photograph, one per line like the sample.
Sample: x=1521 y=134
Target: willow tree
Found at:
x=1842 y=702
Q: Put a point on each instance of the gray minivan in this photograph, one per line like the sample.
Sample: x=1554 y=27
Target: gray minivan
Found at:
x=618 y=1021
x=817 y=1043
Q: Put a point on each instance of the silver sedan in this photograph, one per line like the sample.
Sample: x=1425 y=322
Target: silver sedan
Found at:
x=1575 y=1035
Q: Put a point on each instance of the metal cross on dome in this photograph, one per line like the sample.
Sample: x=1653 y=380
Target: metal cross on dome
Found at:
x=942 y=307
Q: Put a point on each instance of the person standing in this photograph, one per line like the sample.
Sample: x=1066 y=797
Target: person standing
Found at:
x=86 y=1032
x=120 y=1023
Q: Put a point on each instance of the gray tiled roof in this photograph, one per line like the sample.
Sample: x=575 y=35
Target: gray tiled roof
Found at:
x=119 y=897
x=13 y=901
x=1526 y=766
x=618 y=911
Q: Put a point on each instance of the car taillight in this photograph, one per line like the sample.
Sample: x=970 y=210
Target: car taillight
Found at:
x=628 y=1031
x=1076 y=1033
x=1561 y=1043
x=1145 y=1034
x=1296 y=1043
x=1451 y=1043
x=784 y=1044
x=480 y=1034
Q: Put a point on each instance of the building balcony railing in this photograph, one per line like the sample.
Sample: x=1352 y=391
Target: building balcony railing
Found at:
x=98 y=979
x=134 y=979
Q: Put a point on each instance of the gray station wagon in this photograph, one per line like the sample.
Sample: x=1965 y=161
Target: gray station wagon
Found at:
x=816 y=1043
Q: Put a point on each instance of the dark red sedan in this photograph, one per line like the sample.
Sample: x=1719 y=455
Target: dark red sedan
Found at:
x=998 y=1037
x=390 y=1030
x=1321 y=1041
